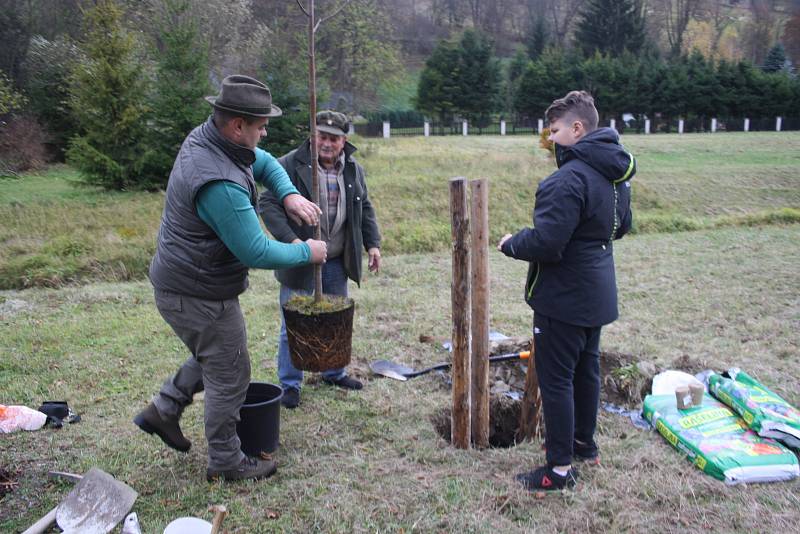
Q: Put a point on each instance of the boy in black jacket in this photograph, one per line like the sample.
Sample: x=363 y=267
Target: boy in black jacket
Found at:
x=571 y=286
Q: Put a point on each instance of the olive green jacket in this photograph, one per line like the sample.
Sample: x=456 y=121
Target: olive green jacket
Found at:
x=361 y=226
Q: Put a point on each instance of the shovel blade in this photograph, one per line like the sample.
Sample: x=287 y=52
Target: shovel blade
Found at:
x=390 y=369
x=95 y=505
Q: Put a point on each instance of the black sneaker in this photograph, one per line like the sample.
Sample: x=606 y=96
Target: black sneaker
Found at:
x=544 y=478
x=291 y=398
x=345 y=383
x=168 y=430
x=249 y=467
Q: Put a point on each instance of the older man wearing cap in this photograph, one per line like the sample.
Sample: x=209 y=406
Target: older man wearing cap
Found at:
x=347 y=223
x=209 y=237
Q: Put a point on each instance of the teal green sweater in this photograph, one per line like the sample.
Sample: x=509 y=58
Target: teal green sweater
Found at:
x=226 y=208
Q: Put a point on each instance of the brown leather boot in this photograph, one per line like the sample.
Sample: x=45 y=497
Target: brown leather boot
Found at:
x=249 y=467
x=168 y=430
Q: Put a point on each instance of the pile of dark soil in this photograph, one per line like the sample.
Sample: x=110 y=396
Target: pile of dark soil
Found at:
x=624 y=380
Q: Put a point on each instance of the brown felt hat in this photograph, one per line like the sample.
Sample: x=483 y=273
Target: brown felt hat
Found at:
x=246 y=96
x=333 y=122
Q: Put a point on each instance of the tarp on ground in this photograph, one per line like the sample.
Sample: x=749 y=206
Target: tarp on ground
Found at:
x=719 y=442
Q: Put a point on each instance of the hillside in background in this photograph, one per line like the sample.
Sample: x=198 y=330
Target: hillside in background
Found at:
x=373 y=51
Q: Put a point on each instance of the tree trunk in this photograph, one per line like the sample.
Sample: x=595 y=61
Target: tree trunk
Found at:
x=312 y=111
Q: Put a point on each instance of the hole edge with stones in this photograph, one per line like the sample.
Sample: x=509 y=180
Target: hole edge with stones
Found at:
x=624 y=381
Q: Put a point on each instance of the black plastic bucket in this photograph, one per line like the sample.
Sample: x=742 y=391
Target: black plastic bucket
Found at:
x=260 y=418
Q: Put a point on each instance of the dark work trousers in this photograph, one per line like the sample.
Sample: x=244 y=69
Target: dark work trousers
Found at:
x=568 y=367
x=214 y=332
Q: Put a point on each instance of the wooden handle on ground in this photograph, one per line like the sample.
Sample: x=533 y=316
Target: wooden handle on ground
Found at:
x=219 y=516
x=43 y=524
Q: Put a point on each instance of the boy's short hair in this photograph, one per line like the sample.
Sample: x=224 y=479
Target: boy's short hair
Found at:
x=578 y=104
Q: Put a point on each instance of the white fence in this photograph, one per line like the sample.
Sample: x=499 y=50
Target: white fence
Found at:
x=646 y=126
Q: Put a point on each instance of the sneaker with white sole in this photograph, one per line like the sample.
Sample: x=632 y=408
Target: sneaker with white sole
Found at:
x=545 y=478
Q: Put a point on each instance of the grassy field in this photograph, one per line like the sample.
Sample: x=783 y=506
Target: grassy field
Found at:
x=371 y=461
x=54 y=233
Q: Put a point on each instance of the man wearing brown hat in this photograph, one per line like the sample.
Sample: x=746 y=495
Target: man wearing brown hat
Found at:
x=209 y=237
x=347 y=223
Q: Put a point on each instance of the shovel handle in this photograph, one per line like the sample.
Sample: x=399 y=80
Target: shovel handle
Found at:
x=219 y=516
x=524 y=355
x=43 y=524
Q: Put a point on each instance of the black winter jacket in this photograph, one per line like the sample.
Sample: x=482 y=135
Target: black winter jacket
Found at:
x=580 y=209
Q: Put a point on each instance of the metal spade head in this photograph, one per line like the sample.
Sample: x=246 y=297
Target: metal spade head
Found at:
x=390 y=369
x=95 y=505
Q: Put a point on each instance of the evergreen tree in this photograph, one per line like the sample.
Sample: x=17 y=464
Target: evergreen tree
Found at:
x=460 y=78
x=287 y=79
x=478 y=77
x=46 y=78
x=796 y=98
x=180 y=84
x=514 y=71
x=702 y=88
x=545 y=80
x=533 y=95
x=437 y=91
x=598 y=74
x=536 y=38
x=649 y=85
x=517 y=65
x=563 y=71
x=676 y=87
x=775 y=60
x=610 y=27
x=10 y=99
x=728 y=82
x=750 y=92
x=15 y=35
x=778 y=95
x=107 y=96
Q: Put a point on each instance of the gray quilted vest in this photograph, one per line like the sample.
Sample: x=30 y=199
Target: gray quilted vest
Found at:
x=190 y=259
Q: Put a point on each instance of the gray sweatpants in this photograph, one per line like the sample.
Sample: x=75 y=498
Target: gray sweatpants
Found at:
x=215 y=334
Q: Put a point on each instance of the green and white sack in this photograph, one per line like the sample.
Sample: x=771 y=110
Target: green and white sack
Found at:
x=718 y=441
x=763 y=410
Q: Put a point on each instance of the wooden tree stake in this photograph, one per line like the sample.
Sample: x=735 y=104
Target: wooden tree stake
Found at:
x=479 y=217
x=460 y=294
x=531 y=416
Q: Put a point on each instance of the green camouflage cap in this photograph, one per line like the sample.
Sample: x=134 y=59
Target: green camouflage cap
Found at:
x=333 y=122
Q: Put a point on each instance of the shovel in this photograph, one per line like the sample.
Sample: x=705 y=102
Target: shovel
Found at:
x=401 y=372
x=94 y=506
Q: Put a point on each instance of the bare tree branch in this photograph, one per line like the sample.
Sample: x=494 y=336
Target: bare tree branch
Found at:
x=329 y=17
x=302 y=8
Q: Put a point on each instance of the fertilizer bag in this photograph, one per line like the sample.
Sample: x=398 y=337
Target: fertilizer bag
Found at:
x=763 y=411
x=718 y=441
